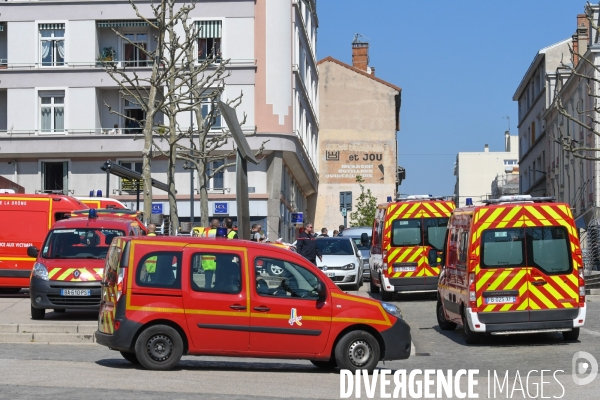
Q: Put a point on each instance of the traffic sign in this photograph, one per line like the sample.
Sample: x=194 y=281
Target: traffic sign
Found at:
x=346 y=201
x=343 y=212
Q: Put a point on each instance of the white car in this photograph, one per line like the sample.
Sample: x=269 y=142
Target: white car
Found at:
x=342 y=261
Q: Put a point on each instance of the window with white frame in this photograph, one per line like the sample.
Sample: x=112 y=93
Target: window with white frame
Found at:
x=209 y=40
x=210 y=112
x=134 y=49
x=52 y=111
x=52 y=44
x=217 y=181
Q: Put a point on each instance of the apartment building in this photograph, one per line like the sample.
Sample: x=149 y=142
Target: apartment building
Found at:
x=482 y=175
x=360 y=119
x=56 y=100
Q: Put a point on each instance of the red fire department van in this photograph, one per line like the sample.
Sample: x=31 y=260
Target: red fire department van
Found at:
x=101 y=202
x=69 y=268
x=407 y=241
x=164 y=297
x=26 y=219
x=135 y=216
x=512 y=266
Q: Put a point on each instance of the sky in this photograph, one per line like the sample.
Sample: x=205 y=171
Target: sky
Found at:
x=458 y=63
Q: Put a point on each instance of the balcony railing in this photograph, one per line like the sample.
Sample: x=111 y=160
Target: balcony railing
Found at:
x=99 y=64
x=132 y=132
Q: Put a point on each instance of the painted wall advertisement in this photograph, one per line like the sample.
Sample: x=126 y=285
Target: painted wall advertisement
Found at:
x=342 y=166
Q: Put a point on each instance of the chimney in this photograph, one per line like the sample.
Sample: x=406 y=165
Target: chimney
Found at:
x=507 y=141
x=372 y=70
x=360 y=55
x=486 y=148
x=580 y=38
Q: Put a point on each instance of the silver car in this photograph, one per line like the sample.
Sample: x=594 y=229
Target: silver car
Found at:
x=363 y=243
x=341 y=262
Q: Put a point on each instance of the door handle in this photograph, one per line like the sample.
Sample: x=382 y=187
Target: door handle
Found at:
x=538 y=283
x=237 y=307
x=262 y=308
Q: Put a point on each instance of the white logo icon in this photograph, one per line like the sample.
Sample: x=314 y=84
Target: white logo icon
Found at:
x=581 y=363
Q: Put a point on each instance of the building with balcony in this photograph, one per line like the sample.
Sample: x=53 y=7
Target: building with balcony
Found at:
x=534 y=96
x=482 y=175
x=56 y=125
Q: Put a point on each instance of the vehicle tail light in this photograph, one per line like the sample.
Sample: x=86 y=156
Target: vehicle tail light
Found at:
x=581 y=287
x=117 y=325
x=120 y=283
x=472 y=292
x=385 y=264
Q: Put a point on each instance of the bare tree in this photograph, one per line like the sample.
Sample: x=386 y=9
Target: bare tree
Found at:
x=580 y=108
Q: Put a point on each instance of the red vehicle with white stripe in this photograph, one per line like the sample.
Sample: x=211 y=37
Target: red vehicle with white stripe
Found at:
x=69 y=267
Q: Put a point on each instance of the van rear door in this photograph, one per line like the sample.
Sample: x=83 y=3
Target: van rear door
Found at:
x=553 y=265
x=501 y=278
x=112 y=283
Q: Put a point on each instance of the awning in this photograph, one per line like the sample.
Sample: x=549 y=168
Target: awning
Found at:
x=124 y=23
x=208 y=29
x=51 y=26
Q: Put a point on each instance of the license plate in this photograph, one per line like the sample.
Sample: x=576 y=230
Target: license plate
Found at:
x=330 y=274
x=404 y=269
x=75 y=292
x=500 y=299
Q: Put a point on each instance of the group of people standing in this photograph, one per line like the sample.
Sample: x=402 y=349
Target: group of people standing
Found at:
x=324 y=232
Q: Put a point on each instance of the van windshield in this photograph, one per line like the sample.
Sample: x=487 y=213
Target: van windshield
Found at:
x=79 y=243
x=545 y=248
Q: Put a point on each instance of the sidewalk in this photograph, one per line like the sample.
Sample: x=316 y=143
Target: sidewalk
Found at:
x=16 y=325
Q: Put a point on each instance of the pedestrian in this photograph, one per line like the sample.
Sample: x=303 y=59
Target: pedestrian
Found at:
x=212 y=231
x=151 y=230
x=324 y=233
x=307 y=244
x=341 y=228
x=254 y=233
x=335 y=232
x=115 y=130
x=231 y=234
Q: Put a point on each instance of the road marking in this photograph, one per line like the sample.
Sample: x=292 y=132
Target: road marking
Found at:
x=590 y=332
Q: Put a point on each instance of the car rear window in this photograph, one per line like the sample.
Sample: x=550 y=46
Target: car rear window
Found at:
x=545 y=248
x=406 y=232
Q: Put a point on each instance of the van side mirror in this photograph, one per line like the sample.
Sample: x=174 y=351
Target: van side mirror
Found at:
x=321 y=290
x=364 y=239
x=32 y=251
x=432 y=258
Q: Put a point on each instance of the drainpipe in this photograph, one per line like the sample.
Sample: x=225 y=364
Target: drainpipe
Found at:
x=16 y=179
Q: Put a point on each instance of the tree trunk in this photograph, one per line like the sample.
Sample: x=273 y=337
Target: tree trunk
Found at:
x=202 y=184
x=172 y=132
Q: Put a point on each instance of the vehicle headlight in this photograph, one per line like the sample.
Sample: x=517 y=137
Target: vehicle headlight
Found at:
x=348 y=266
x=392 y=309
x=40 y=271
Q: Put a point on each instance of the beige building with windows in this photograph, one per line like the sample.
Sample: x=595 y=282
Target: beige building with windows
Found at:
x=359 y=121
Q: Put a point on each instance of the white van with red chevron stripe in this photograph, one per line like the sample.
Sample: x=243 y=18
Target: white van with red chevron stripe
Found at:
x=407 y=241
x=512 y=266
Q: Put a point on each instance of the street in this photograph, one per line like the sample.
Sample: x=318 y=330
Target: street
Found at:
x=92 y=371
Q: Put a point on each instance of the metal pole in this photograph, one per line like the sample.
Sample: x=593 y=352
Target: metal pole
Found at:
x=243 y=206
x=345 y=222
x=107 y=182
x=191 y=169
x=137 y=191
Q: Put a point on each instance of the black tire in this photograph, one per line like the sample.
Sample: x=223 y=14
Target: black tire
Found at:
x=444 y=324
x=387 y=296
x=331 y=364
x=373 y=288
x=37 y=313
x=131 y=357
x=357 y=350
x=571 y=335
x=159 y=348
x=59 y=310
x=10 y=290
x=470 y=336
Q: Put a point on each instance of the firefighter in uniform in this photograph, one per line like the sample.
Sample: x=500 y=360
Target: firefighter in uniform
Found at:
x=231 y=234
x=212 y=231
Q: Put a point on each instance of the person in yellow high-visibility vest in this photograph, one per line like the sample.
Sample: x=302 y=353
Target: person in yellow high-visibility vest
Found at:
x=149 y=268
x=209 y=265
x=231 y=234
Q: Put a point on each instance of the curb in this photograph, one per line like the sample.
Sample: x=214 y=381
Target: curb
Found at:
x=53 y=333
